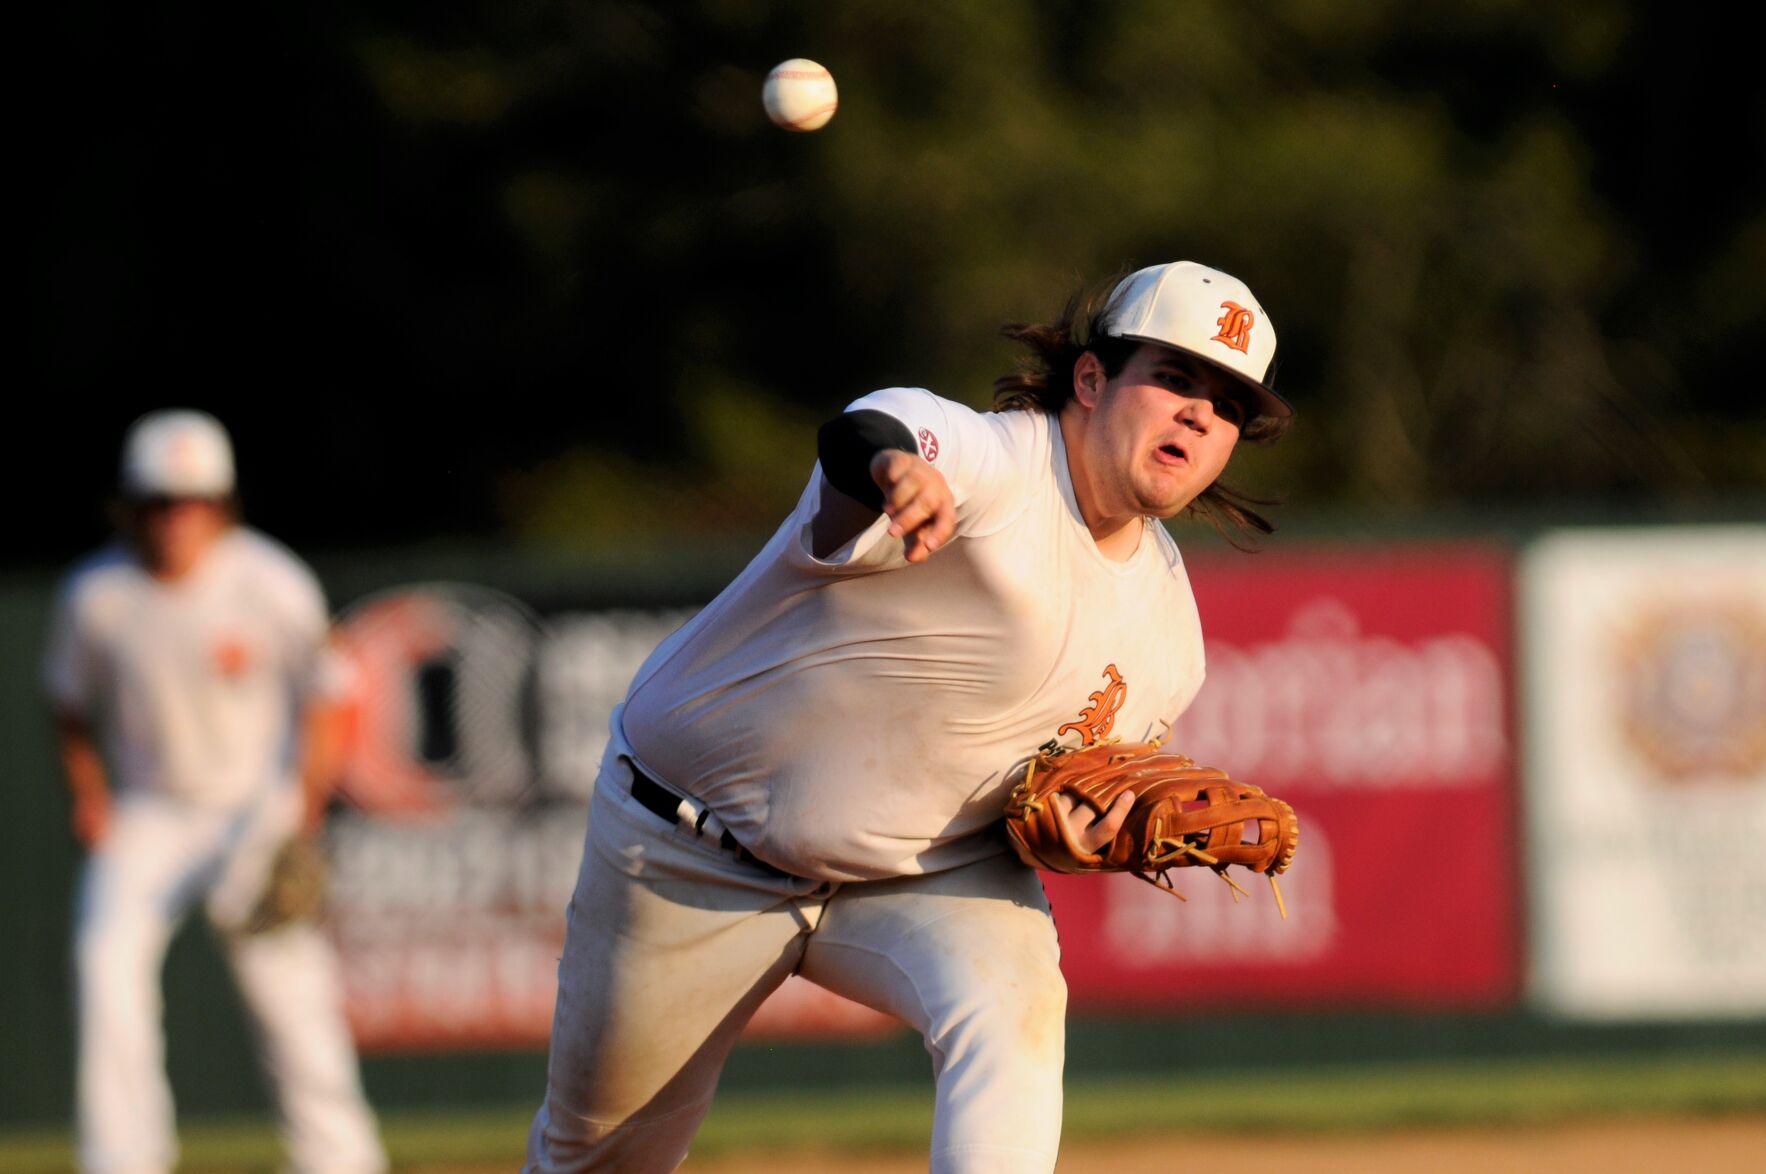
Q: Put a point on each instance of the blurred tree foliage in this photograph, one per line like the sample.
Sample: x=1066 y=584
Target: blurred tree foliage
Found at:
x=544 y=267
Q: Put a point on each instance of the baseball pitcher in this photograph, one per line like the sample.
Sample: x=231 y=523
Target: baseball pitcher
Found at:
x=815 y=773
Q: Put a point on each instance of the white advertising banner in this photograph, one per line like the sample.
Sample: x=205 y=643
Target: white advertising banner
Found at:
x=1645 y=725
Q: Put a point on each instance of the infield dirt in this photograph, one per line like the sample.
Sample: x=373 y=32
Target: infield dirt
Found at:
x=1715 y=1145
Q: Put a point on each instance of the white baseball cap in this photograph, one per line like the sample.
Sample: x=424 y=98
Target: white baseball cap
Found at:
x=1204 y=312
x=177 y=453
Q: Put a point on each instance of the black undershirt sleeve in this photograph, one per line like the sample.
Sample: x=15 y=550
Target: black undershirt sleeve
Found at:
x=846 y=445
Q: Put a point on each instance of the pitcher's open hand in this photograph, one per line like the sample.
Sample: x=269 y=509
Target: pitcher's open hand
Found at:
x=1095 y=831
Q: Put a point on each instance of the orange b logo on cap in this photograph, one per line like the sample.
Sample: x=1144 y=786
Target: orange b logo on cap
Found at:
x=1235 y=327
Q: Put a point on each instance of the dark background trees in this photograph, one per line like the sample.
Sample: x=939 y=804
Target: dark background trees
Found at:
x=542 y=271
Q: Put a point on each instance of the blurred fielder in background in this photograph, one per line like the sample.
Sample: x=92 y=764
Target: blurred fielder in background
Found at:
x=809 y=776
x=188 y=673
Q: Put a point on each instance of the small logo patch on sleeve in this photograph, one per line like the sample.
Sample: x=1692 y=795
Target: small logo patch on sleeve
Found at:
x=928 y=444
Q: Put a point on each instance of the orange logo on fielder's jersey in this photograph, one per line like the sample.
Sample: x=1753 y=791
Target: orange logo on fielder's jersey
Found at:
x=1235 y=326
x=1096 y=719
x=231 y=658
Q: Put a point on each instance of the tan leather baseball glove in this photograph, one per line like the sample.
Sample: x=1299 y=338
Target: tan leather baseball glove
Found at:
x=295 y=889
x=1183 y=816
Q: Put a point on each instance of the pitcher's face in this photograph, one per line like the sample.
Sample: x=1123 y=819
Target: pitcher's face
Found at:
x=1159 y=433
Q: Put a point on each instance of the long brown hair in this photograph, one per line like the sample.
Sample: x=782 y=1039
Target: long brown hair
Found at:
x=1042 y=381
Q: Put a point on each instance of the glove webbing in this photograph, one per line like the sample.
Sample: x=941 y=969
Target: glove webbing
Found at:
x=1163 y=852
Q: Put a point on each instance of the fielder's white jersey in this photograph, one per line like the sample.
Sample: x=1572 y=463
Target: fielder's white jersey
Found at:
x=193 y=687
x=850 y=724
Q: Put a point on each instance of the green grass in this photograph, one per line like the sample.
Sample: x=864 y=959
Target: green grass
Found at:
x=1360 y=1098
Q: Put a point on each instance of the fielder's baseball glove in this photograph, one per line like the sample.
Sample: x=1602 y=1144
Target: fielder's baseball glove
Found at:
x=1183 y=815
x=295 y=890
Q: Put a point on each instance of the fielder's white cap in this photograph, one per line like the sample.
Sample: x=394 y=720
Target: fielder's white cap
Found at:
x=177 y=453
x=1205 y=312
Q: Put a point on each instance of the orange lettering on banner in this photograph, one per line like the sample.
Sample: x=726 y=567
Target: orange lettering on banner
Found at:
x=382 y=645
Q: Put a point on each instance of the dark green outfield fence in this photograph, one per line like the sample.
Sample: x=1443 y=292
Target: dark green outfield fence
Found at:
x=37 y=864
x=209 y=1055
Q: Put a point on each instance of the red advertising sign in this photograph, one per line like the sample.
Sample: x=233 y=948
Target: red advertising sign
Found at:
x=1370 y=689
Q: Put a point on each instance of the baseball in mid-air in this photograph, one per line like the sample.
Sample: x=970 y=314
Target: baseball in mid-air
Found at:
x=799 y=95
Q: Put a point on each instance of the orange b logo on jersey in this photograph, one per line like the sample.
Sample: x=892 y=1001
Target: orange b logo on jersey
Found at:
x=1235 y=326
x=1096 y=719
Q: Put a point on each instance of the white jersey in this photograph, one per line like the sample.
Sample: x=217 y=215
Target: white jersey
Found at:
x=193 y=687
x=848 y=724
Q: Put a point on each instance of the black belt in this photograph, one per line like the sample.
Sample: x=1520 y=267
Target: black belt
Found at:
x=664 y=803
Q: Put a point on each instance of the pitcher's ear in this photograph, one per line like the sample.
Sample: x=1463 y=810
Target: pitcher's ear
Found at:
x=1089 y=379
